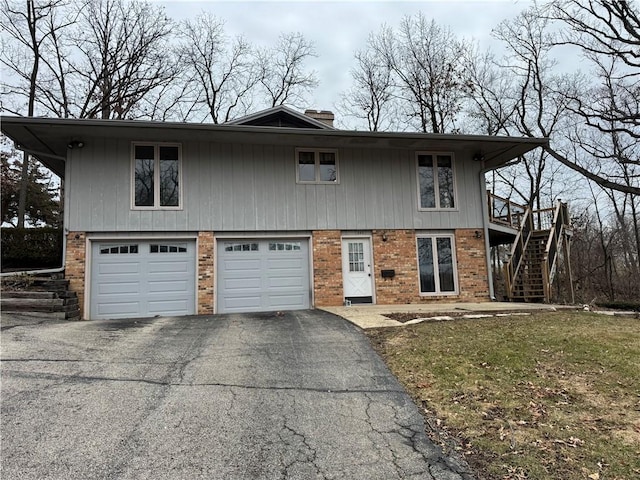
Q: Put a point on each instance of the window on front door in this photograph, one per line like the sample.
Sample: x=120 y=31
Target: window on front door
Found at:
x=436 y=181
x=156 y=176
x=436 y=263
x=317 y=166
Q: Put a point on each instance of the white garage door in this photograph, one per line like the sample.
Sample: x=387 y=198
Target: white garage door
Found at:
x=263 y=275
x=142 y=278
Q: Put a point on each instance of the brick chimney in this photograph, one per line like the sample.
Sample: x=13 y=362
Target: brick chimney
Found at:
x=324 y=116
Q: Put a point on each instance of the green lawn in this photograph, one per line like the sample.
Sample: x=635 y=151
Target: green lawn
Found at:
x=547 y=396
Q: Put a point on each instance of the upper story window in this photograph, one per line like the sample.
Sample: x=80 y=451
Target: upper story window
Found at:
x=316 y=166
x=436 y=182
x=157 y=175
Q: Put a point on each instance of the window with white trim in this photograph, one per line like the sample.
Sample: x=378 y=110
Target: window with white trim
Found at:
x=316 y=166
x=156 y=176
x=436 y=182
x=437 y=264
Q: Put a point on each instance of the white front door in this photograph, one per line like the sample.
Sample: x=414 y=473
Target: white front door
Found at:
x=356 y=270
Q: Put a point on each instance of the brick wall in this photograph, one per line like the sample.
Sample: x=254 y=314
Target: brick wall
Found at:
x=75 y=264
x=327 y=268
x=472 y=265
x=206 y=259
x=399 y=253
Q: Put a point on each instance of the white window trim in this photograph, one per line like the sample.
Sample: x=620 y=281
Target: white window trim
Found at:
x=436 y=186
x=156 y=176
x=316 y=152
x=434 y=250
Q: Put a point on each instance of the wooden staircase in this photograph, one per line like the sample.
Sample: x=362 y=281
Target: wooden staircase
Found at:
x=46 y=294
x=535 y=254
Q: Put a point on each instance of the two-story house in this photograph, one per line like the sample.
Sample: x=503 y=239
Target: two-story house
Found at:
x=277 y=210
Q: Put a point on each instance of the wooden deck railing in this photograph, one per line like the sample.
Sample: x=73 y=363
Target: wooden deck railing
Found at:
x=505 y=212
x=552 y=221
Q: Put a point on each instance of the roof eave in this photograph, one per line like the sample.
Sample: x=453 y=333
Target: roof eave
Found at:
x=49 y=137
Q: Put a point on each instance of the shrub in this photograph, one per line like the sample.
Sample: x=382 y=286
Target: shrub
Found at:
x=25 y=248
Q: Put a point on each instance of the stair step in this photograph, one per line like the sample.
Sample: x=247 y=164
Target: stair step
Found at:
x=38 y=305
x=47 y=294
x=27 y=294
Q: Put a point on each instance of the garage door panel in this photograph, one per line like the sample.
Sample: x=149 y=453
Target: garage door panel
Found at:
x=167 y=307
x=118 y=288
x=245 y=303
x=172 y=286
x=272 y=276
x=178 y=266
x=118 y=309
x=241 y=264
x=284 y=282
x=136 y=282
x=235 y=284
x=118 y=268
x=286 y=263
x=284 y=301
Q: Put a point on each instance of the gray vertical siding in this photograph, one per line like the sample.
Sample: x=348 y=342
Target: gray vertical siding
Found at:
x=244 y=187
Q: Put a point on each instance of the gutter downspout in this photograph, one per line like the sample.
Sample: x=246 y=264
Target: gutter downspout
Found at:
x=485 y=224
x=64 y=230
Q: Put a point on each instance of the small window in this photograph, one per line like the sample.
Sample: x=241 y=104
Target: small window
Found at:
x=284 y=246
x=356 y=257
x=119 y=249
x=165 y=248
x=241 y=247
x=436 y=264
x=156 y=176
x=436 y=181
x=317 y=166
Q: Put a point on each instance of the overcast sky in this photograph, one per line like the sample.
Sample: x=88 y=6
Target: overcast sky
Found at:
x=338 y=29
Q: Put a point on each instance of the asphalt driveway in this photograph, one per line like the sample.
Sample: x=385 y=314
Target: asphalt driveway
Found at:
x=299 y=395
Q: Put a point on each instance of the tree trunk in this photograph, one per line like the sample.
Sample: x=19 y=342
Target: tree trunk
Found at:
x=35 y=47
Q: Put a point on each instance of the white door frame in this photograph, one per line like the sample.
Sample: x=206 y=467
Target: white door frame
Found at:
x=370 y=263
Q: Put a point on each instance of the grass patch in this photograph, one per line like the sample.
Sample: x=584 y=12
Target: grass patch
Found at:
x=552 y=395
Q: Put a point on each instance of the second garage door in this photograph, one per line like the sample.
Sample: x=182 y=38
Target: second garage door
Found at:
x=263 y=275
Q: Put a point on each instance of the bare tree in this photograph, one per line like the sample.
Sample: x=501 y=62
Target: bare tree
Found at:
x=491 y=103
x=102 y=58
x=372 y=96
x=529 y=102
x=428 y=75
x=25 y=23
x=608 y=35
x=282 y=70
x=123 y=46
x=219 y=74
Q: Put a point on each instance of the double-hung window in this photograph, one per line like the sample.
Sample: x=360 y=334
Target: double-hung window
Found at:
x=437 y=264
x=316 y=166
x=436 y=183
x=156 y=176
